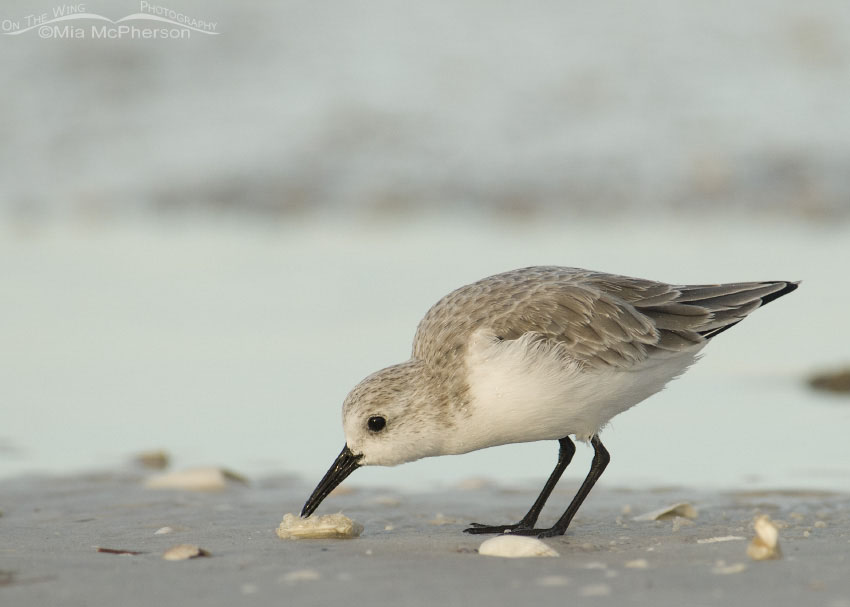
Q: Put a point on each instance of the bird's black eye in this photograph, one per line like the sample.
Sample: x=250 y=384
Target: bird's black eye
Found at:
x=376 y=423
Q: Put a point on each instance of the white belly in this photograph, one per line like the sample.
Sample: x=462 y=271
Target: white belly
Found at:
x=520 y=392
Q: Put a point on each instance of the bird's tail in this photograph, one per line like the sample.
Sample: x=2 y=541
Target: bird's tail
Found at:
x=729 y=304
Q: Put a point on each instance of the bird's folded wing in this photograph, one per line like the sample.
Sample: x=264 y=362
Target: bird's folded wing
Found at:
x=604 y=320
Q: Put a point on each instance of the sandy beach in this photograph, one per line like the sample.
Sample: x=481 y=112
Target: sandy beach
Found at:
x=412 y=551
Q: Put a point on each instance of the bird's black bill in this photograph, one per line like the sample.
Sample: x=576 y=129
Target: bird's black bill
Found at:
x=345 y=463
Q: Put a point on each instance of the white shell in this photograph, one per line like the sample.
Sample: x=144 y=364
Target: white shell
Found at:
x=515 y=546
x=765 y=544
x=680 y=509
x=195 y=479
x=181 y=552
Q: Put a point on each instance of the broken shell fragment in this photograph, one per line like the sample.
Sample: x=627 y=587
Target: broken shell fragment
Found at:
x=720 y=538
x=195 y=479
x=329 y=526
x=681 y=509
x=182 y=552
x=765 y=544
x=515 y=546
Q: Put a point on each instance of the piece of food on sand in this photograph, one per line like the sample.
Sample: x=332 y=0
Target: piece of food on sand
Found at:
x=329 y=526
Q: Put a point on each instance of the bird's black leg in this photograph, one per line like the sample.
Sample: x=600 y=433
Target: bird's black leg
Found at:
x=565 y=454
x=600 y=460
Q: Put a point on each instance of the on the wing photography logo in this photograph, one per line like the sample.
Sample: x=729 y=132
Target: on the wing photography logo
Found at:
x=75 y=22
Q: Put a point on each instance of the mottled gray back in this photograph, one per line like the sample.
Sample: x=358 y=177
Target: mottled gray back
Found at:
x=602 y=319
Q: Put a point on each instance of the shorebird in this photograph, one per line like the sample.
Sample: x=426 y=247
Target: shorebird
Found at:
x=540 y=353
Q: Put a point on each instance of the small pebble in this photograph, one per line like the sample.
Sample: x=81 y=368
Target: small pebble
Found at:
x=182 y=552
x=153 y=460
x=301 y=575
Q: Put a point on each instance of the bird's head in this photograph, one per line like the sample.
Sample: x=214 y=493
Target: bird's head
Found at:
x=389 y=418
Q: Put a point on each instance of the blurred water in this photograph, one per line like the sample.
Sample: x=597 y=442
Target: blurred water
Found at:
x=235 y=343
x=205 y=243
x=375 y=107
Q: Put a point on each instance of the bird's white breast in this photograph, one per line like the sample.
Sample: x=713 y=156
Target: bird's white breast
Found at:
x=530 y=389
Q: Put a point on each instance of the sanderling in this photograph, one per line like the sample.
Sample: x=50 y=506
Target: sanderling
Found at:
x=534 y=354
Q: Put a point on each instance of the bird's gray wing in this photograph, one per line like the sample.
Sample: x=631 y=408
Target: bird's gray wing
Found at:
x=601 y=320
x=624 y=320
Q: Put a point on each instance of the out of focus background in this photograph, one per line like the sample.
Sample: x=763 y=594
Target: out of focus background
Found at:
x=207 y=240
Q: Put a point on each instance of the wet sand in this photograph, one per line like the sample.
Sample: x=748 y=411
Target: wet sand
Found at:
x=412 y=551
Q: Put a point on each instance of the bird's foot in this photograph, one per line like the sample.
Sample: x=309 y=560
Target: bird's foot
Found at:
x=516 y=529
x=551 y=532
x=529 y=532
x=478 y=528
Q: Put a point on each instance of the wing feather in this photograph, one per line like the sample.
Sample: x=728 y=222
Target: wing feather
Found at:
x=600 y=320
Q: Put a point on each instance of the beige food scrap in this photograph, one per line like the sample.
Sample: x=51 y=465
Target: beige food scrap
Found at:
x=681 y=509
x=765 y=544
x=515 y=546
x=181 y=552
x=195 y=479
x=329 y=526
